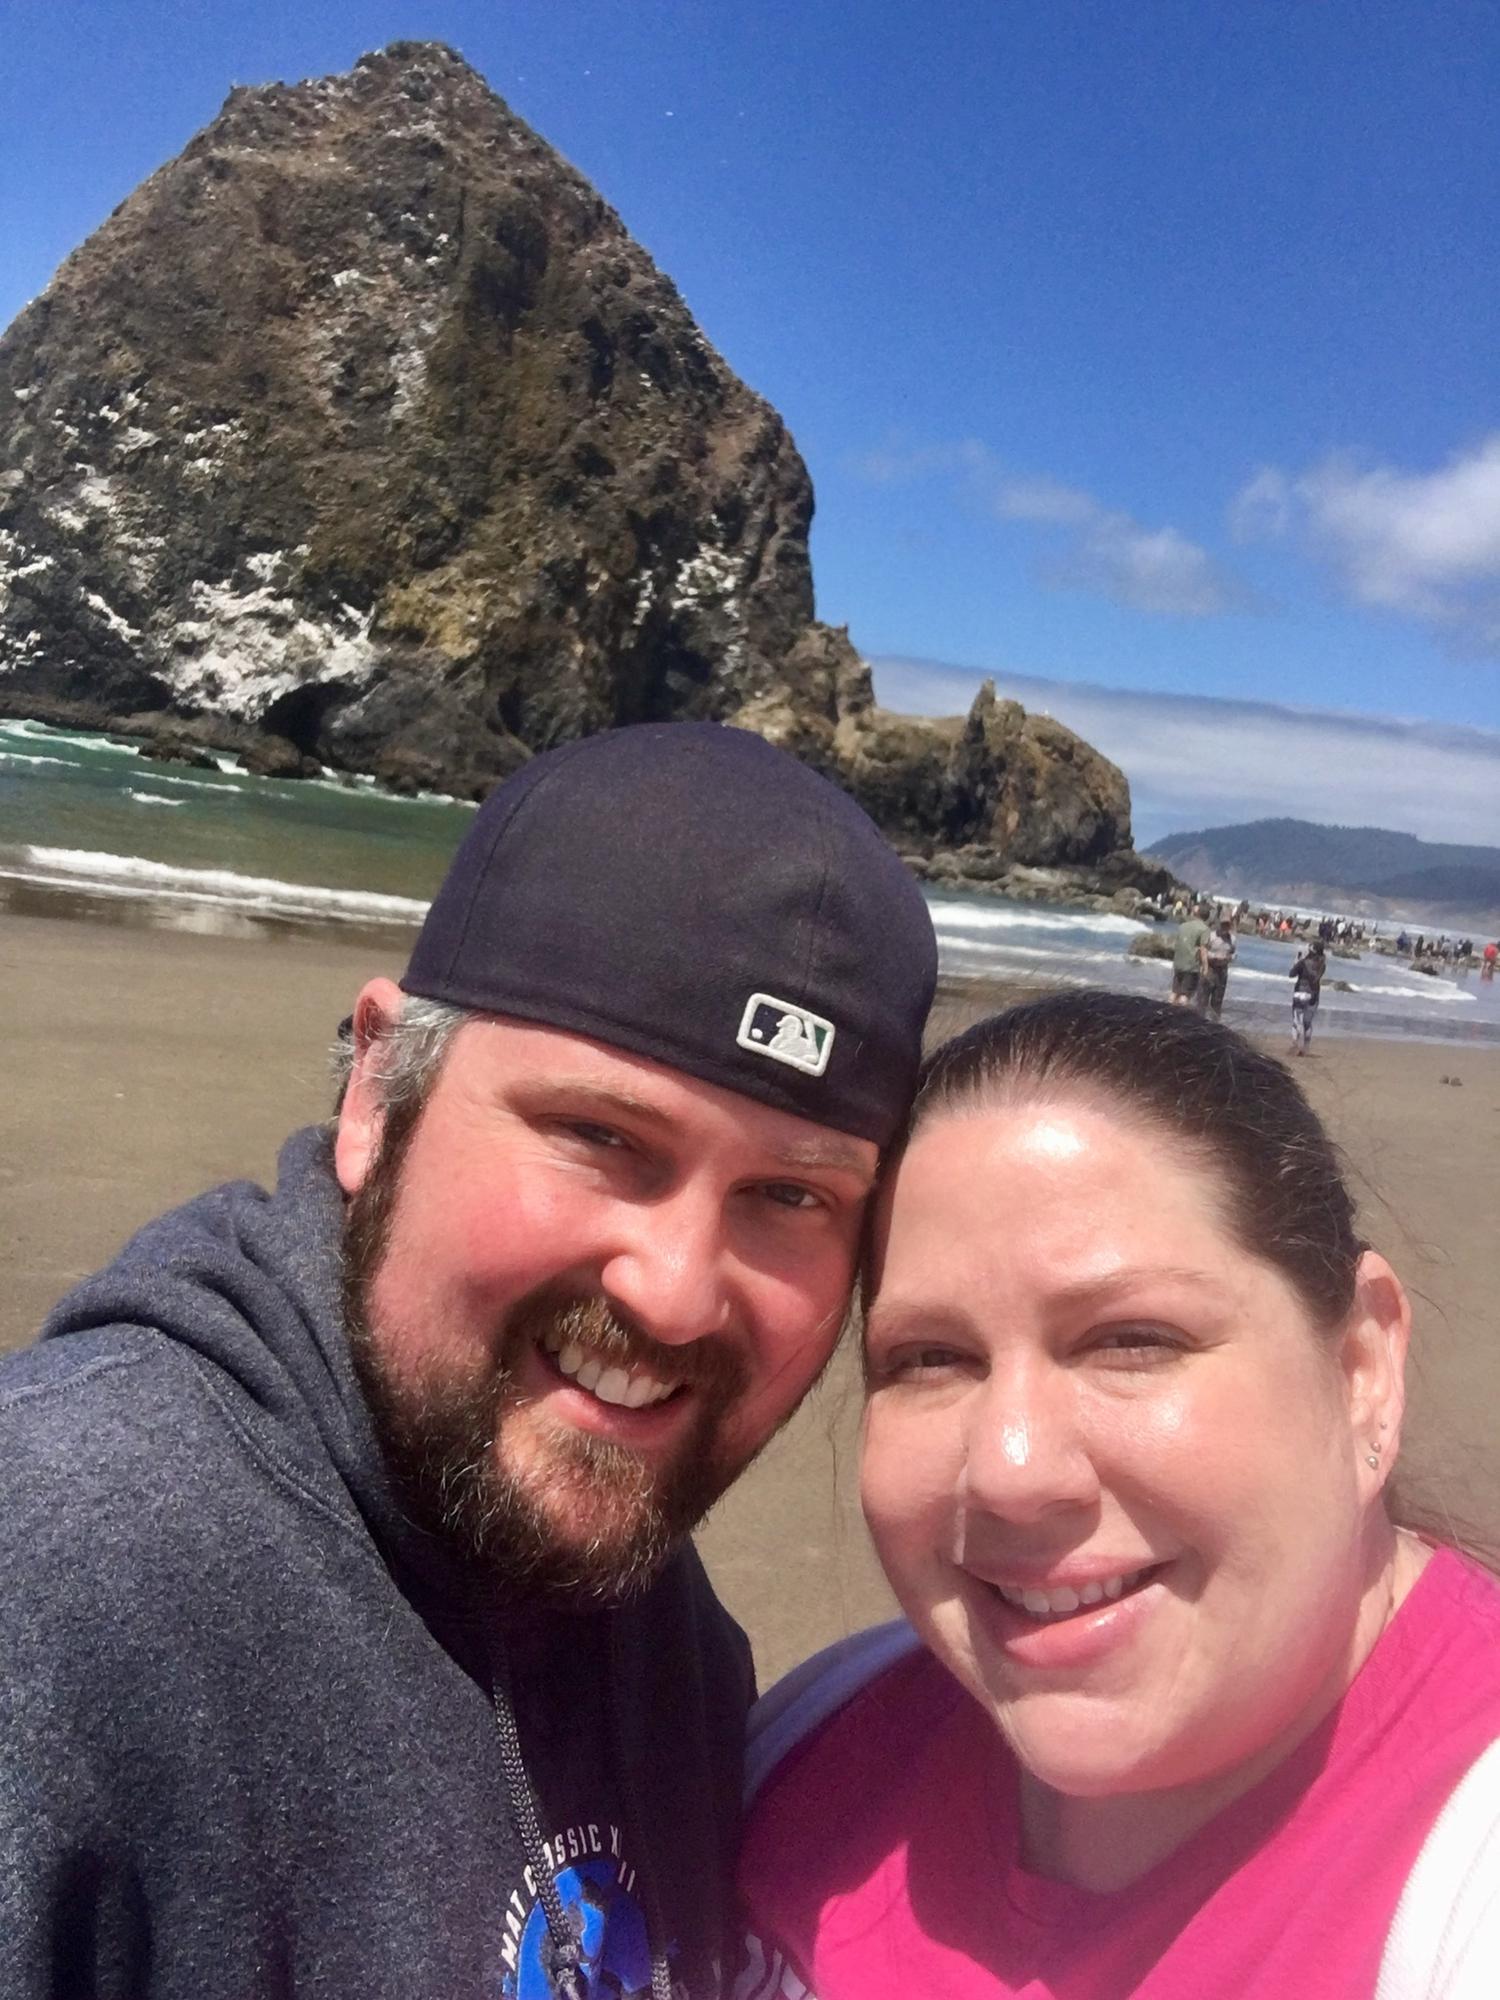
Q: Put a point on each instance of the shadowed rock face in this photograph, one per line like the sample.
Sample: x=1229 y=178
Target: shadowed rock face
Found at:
x=363 y=434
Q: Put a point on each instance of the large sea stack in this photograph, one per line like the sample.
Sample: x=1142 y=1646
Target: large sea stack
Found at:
x=362 y=434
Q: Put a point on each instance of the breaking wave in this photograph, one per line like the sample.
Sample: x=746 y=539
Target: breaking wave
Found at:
x=41 y=732
x=948 y=914
x=124 y=875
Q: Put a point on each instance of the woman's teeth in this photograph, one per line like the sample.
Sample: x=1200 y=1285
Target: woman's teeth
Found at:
x=1063 y=1602
x=629 y=1388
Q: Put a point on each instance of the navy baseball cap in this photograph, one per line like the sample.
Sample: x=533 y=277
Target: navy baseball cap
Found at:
x=692 y=894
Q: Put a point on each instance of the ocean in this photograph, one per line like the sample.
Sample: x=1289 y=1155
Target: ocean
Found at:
x=90 y=827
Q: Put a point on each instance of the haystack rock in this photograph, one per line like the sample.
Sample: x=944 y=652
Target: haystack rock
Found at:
x=363 y=435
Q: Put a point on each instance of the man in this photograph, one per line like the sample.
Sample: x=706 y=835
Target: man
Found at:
x=1190 y=956
x=351 y=1644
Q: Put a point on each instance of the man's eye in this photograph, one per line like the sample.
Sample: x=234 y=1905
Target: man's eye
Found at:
x=792 y=1194
x=592 y=1134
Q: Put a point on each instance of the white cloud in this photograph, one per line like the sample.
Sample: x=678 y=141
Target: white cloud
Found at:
x=1424 y=545
x=1194 y=761
x=1148 y=570
x=1043 y=500
x=1104 y=550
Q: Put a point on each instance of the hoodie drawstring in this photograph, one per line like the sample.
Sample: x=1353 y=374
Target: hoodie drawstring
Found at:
x=562 y=1954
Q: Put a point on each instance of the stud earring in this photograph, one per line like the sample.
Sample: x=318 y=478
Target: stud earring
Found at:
x=1372 y=1459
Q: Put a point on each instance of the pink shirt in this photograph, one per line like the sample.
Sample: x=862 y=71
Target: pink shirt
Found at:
x=882 y=1857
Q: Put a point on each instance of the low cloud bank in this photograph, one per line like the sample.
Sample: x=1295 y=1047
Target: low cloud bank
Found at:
x=1194 y=761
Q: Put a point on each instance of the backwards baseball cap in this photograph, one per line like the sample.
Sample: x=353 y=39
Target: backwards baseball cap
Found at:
x=692 y=894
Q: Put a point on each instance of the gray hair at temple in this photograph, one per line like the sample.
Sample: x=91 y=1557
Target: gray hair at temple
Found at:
x=410 y=1055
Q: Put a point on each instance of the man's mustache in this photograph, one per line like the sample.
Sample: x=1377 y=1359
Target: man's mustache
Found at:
x=711 y=1364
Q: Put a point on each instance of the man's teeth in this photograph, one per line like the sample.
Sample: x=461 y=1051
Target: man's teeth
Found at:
x=1062 y=1603
x=629 y=1388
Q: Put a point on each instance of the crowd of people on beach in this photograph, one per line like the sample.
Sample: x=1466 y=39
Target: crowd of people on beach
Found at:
x=1340 y=933
x=1456 y=953
x=1204 y=950
x=353 y=1641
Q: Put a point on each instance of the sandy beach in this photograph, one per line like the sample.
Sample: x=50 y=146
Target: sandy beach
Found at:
x=144 y=1065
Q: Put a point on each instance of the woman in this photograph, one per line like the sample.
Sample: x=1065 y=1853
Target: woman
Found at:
x=1189 y=1703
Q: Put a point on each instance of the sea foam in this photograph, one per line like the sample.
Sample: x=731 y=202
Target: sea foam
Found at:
x=950 y=914
x=41 y=732
x=125 y=875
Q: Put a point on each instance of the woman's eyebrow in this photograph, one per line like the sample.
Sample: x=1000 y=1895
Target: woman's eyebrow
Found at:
x=887 y=1320
x=1108 y=1283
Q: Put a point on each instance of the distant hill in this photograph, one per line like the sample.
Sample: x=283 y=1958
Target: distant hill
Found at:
x=1369 y=870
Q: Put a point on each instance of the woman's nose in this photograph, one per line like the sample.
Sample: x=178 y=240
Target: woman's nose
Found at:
x=1025 y=1453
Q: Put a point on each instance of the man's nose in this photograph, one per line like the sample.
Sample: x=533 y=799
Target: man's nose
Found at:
x=1026 y=1454
x=669 y=1269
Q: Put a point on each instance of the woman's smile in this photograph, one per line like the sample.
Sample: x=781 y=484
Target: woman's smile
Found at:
x=1053 y=1631
x=1064 y=1600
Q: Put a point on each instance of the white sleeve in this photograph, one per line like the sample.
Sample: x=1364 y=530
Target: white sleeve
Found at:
x=765 y=1975
x=1445 y=1941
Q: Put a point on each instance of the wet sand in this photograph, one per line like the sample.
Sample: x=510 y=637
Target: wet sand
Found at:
x=141 y=1066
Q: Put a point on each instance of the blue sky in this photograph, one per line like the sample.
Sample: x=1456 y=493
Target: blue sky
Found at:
x=1149 y=347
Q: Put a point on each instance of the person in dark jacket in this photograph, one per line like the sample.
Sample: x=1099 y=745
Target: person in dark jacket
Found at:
x=351 y=1640
x=1307 y=989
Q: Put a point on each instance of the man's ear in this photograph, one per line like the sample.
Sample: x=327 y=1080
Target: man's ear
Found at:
x=1376 y=1336
x=362 y=1113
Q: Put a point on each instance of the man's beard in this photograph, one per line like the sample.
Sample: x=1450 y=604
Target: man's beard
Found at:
x=442 y=1433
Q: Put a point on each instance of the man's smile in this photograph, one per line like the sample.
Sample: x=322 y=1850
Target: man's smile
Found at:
x=631 y=1388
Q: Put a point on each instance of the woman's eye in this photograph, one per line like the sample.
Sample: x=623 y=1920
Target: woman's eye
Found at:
x=1149 y=1343
x=916 y=1362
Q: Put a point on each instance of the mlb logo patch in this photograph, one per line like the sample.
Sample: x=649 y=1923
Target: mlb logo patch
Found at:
x=786 y=1033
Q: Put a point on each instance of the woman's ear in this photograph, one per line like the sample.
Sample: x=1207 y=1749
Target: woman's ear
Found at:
x=1373 y=1350
x=362 y=1113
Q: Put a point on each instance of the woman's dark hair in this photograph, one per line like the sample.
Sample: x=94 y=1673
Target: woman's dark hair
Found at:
x=1280 y=1174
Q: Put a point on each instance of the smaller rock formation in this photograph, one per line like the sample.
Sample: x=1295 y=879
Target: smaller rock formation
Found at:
x=1153 y=944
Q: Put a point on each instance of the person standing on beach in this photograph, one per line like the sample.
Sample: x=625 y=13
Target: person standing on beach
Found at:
x=351 y=1640
x=1306 y=992
x=1190 y=957
x=1218 y=952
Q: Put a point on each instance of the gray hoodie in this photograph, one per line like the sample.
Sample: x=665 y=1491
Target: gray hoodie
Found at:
x=248 y=1742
